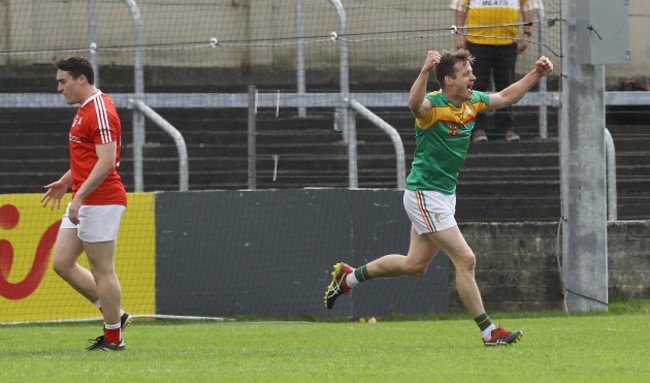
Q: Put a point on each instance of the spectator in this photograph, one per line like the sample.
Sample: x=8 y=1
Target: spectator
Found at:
x=495 y=49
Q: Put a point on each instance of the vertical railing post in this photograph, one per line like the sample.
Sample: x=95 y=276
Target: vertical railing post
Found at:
x=347 y=117
x=92 y=37
x=612 y=197
x=541 y=43
x=138 y=117
x=252 y=141
x=300 y=54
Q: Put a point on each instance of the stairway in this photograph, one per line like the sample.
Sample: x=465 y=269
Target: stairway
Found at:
x=500 y=181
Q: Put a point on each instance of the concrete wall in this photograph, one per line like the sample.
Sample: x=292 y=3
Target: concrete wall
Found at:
x=30 y=24
x=518 y=263
x=270 y=252
x=225 y=253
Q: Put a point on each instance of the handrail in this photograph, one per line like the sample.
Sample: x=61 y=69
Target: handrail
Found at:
x=179 y=141
x=610 y=165
x=288 y=100
x=394 y=136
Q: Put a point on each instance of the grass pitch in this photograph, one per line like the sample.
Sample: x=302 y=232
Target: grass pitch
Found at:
x=606 y=347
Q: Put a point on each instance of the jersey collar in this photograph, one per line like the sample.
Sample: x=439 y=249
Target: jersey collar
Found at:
x=95 y=94
x=447 y=100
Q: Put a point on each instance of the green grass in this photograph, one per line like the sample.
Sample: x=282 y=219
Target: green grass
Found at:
x=605 y=347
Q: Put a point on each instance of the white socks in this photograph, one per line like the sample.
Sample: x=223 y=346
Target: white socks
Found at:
x=112 y=326
x=351 y=280
x=487 y=333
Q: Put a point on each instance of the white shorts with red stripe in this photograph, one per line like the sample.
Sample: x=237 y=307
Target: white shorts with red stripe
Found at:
x=430 y=211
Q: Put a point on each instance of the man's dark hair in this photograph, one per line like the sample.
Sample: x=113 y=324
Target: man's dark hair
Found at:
x=77 y=66
x=448 y=60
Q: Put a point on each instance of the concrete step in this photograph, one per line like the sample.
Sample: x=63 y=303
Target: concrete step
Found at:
x=510 y=188
x=640 y=128
x=506 y=208
x=220 y=137
x=14 y=154
x=633 y=158
x=628 y=115
x=534 y=146
x=58 y=164
x=18 y=137
x=507 y=173
x=531 y=160
x=634 y=206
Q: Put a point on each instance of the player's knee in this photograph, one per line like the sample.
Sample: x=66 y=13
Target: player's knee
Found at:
x=465 y=262
x=60 y=267
x=416 y=270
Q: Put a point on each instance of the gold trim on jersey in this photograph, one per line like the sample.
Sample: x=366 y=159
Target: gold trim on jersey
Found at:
x=450 y=114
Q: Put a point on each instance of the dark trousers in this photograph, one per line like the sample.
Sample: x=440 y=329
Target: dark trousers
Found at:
x=498 y=62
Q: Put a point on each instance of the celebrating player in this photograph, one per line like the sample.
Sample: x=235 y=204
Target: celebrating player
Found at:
x=443 y=126
x=92 y=219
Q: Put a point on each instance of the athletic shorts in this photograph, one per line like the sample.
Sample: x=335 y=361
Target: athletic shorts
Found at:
x=97 y=223
x=430 y=211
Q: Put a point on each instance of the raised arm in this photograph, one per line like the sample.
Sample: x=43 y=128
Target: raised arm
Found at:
x=516 y=91
x=418 y=104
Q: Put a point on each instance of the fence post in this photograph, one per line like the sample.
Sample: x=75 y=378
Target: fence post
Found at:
x=138 y=116
x=347 y=116
x=541 y=43
x=252 y=131
x=582 y=171
x=612 y=198
x=300 y=54
x=92 y=36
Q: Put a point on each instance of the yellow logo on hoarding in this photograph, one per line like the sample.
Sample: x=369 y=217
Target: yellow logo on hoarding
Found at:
x=9 y=219
x=30 y=290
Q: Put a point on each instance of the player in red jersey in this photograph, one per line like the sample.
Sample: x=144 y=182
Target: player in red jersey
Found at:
x=92 y=219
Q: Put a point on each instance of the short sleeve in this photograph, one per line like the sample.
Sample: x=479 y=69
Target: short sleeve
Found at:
x=425 y=122
x=459 y=5
x=104 y=126
x=481 y=100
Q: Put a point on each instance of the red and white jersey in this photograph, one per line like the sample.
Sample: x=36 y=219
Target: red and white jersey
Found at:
x=96 y=123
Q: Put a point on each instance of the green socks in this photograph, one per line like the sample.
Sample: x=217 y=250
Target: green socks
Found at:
x=361 y=273
x=483 y=321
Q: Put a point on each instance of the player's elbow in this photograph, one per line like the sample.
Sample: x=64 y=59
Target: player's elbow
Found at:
x=414 y=105
x=501 y=100
x=417 y=110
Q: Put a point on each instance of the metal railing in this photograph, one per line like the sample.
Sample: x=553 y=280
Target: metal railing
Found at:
x=610 y=177
x=394 y=137
x=179 y=141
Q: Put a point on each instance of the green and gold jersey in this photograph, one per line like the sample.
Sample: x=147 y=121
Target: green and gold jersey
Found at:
x=441 y=141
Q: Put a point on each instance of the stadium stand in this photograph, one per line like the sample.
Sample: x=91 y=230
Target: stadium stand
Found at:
x=501 y=182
